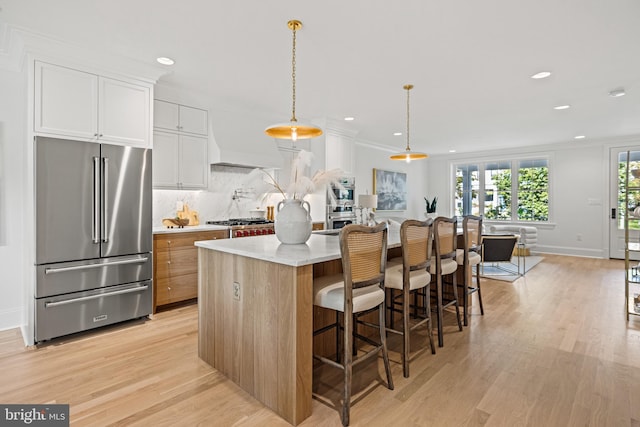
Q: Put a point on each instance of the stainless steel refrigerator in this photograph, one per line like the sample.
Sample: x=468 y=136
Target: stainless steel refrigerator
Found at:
x=93 y=235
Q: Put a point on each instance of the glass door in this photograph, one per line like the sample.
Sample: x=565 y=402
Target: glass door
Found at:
x=618 y=209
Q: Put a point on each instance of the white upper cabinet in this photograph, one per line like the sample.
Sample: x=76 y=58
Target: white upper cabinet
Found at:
x=81 y=105
x=179 y=161
x=179 y=118
x=124 y=113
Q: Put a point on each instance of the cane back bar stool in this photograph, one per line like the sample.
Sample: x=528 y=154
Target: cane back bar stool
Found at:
x=408 y=274
x=468 y=257
x=359 y=289
x=444 y=264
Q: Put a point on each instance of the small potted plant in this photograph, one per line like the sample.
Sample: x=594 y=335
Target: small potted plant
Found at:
x=431 y=207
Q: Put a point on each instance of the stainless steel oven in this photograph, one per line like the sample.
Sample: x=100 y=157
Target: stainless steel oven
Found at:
x=340 y=210
x=337 y=223
x=344 y=196
x=340 y=218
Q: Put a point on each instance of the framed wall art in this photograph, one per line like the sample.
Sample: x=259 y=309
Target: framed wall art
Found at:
x=391 y=188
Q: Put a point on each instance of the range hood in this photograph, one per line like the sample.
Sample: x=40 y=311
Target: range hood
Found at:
x=241 y=142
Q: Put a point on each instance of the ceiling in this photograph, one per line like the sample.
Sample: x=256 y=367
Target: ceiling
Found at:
x=470 y=62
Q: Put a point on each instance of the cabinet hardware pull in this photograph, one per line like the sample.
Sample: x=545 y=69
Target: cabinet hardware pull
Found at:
x=97 y=265
x=90 y=297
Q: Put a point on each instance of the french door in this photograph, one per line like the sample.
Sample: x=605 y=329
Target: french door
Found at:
x=618 y=210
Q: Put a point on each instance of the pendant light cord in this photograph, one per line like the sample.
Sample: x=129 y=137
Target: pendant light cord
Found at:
x=293 y=77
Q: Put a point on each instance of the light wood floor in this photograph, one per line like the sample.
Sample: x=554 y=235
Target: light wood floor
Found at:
x=553 y=349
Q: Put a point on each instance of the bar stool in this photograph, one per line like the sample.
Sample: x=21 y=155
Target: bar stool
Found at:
x=468 y=257
x=407 y=274
x=444 y=264
x=359 y=289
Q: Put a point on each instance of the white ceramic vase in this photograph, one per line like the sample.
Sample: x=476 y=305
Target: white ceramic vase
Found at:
x=293 y=221
x=432 y=215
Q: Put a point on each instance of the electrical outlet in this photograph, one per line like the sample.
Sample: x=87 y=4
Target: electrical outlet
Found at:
x=236 y=291
x=579 y=237
x=179 y=205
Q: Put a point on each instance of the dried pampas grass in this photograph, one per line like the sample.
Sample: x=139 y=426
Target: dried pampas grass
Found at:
x=300 y=185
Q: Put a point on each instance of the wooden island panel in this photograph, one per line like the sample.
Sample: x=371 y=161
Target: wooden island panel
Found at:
x=263 y=340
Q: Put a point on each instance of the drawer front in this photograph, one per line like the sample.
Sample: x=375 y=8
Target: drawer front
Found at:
x=77 y=276
x=81 y=311
x=176 y=289
x=176 y=263
x=165 y=242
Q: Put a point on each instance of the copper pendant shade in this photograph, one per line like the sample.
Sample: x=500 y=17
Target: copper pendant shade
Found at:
x=293 y=130
x=407 y=155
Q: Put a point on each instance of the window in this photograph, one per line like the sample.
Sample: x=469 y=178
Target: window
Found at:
x=510 y=190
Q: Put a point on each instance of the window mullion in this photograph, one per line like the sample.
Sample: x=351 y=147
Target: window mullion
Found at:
x=515 y=179
x=481 y=181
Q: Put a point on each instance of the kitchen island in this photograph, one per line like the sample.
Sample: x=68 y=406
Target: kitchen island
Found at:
x=256 y=314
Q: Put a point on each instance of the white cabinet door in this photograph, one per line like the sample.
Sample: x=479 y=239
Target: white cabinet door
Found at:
x=85 y=106
x=179 y=161
x=166 y=115
x=124 y=112
x=66 y=102
x=166 y=152
x=179 y=118
x=193 y=120
x=193 y=162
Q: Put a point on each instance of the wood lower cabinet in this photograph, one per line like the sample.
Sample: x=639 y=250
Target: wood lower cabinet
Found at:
x=175 y=265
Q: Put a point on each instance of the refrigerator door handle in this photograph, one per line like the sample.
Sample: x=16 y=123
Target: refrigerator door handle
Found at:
x=105 y=197
x=96 y=201
x=87 y=266
x=90 y=297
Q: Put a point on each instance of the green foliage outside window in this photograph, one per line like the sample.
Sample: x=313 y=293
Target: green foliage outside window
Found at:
x=532 y=191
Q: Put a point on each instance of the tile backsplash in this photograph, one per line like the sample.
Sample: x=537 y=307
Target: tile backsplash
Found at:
x=217 y=203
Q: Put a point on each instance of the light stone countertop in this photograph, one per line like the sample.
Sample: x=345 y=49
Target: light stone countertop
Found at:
x=188 y=229
x=319 y=248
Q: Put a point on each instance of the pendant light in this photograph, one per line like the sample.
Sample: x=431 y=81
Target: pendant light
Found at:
x=407 y=155
x=293 y=130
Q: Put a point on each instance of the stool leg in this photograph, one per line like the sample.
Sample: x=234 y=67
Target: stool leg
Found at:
x=479 y=291
x=455 y=295
x=383 y=341
x=405 y=332
x=465 y=301
x=348 y=363
x=439 y=312
x=427 y=304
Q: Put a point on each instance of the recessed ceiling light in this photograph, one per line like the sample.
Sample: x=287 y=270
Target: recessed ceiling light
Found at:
x=452 y=151
x=562 y=107
x=397 y=133
x=579 y=137
x=165 y=61
x=349 y=119
x=541 y=75
x=617 y=92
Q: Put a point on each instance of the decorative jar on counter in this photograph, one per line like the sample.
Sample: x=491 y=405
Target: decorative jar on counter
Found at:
x=293 y=221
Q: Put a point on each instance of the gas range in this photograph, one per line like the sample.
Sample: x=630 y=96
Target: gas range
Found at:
x=240 y=221
x=245 y=227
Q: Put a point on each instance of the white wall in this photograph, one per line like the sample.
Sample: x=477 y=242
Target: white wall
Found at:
x=578 y=174
x=369 y=157
x=12 y=177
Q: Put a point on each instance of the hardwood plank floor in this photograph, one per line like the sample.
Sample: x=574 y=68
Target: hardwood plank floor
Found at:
x=553 y=349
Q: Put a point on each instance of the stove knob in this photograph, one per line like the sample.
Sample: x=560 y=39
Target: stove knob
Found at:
x=258 y=232
x=238 y=233
x=245 y=233
x=252 y=232
x=272 y=231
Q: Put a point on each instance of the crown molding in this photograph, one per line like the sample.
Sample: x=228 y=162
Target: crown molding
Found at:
x=12 y=49
x=16 y=43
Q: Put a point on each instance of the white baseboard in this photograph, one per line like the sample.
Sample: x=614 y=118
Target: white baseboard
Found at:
x=11 y=318
x=568 y=250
